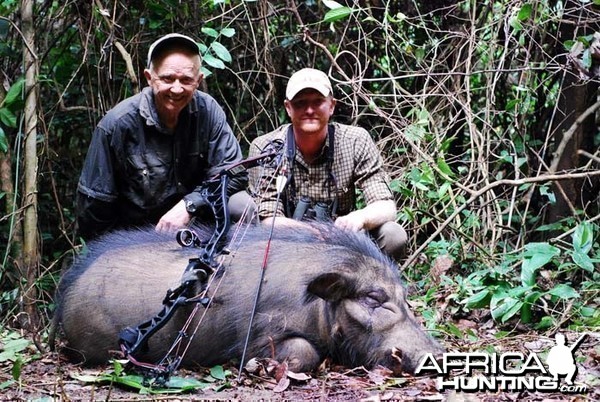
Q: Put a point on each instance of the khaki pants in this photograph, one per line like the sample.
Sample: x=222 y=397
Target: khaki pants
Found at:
x=391 y=238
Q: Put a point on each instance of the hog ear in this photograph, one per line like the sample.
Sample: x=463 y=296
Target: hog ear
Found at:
x=331 y=287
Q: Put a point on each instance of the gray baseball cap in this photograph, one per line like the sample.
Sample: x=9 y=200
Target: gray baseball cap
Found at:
x=167 y=41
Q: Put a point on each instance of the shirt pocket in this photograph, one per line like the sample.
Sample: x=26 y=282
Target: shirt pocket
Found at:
x=149 y=179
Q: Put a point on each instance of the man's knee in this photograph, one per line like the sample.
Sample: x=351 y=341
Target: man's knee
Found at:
x=391 y=238
x=242 y=207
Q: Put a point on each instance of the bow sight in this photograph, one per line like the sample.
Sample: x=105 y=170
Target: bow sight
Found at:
x=196 y=275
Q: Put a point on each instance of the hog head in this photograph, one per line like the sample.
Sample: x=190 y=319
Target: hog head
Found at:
x=371 y=323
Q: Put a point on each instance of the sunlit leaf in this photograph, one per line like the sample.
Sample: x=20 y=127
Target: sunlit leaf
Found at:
x=535 y=256
x=221 y=51
x=563 y=291
x=210 y=32
x=583 y=260
x=337 y=14
x=332 y=5
x=586 y=58
x=583 y=237
x=12 y=347
x=213 y=61
x=228 y=32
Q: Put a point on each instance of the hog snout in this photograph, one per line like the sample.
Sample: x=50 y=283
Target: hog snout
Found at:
x=401 y=360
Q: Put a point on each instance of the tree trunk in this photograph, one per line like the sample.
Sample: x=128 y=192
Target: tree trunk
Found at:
x=30 y=203
x=15 y=239
x=571 y=132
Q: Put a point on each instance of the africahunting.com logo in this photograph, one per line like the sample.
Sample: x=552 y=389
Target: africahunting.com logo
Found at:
x=510 y=371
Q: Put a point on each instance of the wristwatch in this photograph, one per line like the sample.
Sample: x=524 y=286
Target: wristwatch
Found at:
x=193 y=202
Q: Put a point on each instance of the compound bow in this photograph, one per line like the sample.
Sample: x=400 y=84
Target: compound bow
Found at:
x=134 y=340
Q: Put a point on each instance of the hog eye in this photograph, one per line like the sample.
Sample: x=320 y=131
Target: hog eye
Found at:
x=375 y=298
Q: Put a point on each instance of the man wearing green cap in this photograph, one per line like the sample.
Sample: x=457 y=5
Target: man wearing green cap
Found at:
x=324 y=166
x=149 y=154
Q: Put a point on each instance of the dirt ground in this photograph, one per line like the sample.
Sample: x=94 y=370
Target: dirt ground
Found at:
x=48 y=377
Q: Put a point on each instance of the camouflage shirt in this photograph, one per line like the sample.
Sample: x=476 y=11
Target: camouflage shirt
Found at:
x=357 y=165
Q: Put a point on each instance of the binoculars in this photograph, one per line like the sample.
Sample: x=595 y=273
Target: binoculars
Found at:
x=306 y=211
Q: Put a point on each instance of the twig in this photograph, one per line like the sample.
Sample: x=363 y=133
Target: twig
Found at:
x=477 y=194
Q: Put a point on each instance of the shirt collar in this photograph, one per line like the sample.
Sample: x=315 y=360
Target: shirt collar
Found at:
x=150 y=114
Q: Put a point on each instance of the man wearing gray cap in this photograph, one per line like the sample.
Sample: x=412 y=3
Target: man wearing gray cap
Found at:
x=324 y=166
x=149 y=154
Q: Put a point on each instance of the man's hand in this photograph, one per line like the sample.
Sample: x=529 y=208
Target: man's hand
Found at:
x=176 y=218
x=354 y=221
x=370 y=217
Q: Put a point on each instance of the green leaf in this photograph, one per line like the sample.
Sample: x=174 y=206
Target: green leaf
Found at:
x=7 y=384
x=515 y=24
x=213 y=61
x=3 y=141
x=583 y=237
x=221 y=51
x=14 y=94
x=563 y=291
x=12 y=348
x=536 y=255
x=16 y=369
x=479 y=299
x=218 y=373
x=186 y=384
x=8 y=118
x=228 y=32
x=415 y=132
x=586 y=58
x=512 y=311
x=332 y=5
x=210 y=32
x=527 y=308
x=583 y=261
x=546 y=322
x=443 y=166
x=525 y=12
x=337 y=14
x=504 y=307
x=454 y=330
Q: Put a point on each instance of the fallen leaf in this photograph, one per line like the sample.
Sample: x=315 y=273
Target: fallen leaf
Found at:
x=282 y=385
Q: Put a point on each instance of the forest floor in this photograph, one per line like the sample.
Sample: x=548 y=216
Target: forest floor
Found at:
x=48 y=377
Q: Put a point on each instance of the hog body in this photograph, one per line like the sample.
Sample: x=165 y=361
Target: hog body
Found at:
x=325 y=293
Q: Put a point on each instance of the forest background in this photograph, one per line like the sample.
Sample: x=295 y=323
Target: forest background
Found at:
x=486 y=113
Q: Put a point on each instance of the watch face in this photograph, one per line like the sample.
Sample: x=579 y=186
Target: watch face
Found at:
x=189 y=206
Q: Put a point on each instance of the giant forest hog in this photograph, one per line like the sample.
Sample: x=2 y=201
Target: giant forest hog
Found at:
x=326 y=293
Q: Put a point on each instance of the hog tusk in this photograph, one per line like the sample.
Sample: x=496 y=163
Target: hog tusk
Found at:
x=397 y=355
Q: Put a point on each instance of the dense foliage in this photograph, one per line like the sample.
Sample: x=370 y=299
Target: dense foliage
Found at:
x=485 y=113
